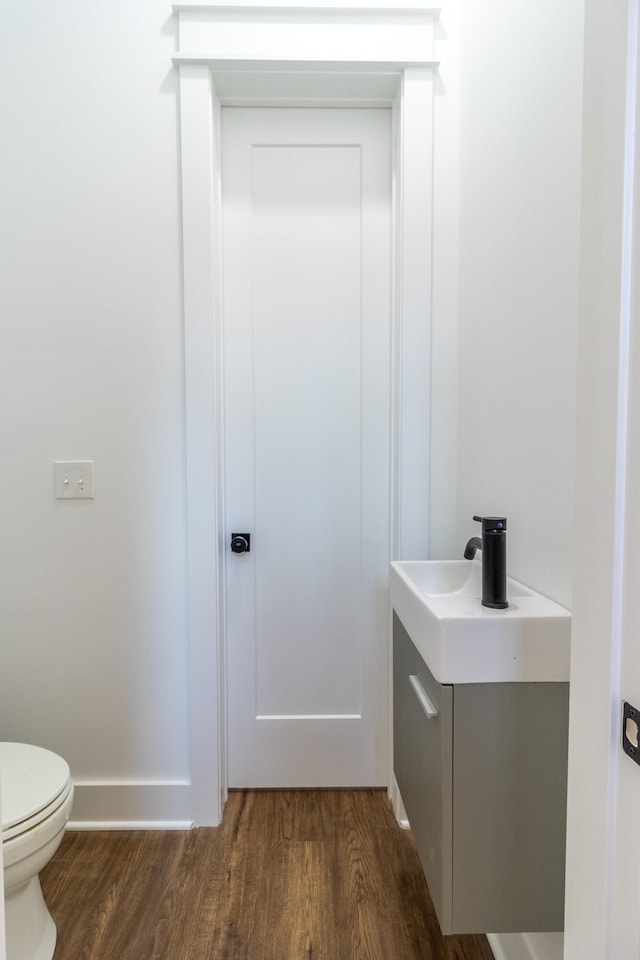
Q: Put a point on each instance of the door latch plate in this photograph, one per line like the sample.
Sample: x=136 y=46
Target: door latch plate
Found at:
x=631 y=731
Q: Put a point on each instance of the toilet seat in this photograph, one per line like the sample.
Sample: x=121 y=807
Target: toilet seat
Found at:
x=39 y=818
x=35 y=783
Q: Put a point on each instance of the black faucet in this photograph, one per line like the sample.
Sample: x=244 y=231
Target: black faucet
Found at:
x=494 y=560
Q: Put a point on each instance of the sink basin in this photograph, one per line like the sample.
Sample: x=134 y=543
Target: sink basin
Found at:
x=461 y=641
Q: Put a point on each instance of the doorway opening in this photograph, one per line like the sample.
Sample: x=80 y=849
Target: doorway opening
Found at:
x=345 y=70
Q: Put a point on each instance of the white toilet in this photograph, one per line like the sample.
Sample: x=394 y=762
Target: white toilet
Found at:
x=36 y=797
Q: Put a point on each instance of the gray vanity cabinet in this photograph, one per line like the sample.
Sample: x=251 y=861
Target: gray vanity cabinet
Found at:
x=482 y=772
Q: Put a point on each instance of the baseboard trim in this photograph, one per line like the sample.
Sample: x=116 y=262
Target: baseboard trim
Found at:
x=393 y=792
x=131 y=805
x=526 y=946
x=509 y=946
x=79 y=826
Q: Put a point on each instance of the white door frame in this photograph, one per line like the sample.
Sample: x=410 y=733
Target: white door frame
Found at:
x=601 y=916
x=266 y=54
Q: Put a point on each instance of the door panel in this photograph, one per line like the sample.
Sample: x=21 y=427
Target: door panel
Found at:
x=306 y=233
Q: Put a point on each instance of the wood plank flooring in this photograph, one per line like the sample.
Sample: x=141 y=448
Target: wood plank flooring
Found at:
x=289 y=875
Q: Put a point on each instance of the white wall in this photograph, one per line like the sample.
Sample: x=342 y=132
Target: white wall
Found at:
x=92 y=593
x=520 y=110
x=519 y=214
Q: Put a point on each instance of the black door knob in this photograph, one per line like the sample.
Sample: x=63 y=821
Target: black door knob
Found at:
x=240 y=542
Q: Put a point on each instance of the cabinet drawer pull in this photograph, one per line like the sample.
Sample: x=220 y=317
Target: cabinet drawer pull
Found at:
x=425 y=701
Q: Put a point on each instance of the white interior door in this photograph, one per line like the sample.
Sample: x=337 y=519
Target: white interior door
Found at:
x=306 y=199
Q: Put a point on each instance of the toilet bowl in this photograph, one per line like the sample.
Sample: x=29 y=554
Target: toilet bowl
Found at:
x=36 y=798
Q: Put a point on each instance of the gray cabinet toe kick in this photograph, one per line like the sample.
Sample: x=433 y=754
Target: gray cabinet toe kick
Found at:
x=482 y=771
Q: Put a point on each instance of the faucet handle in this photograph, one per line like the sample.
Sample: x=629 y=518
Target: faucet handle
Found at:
x=492 y=524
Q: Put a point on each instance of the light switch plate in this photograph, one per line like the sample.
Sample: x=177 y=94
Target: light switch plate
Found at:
x=74 y=479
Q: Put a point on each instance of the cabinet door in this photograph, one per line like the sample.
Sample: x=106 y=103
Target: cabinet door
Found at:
x=509 y=784
x=422 y=745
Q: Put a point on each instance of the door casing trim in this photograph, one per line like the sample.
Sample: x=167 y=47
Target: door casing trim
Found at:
x=213 y=77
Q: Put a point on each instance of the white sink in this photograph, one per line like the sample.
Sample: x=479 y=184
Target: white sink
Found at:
x=439 y=604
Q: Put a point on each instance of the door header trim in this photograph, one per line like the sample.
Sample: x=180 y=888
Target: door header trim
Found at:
x=377 y=39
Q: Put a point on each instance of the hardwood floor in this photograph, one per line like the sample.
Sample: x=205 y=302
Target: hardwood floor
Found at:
x=289 y=875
